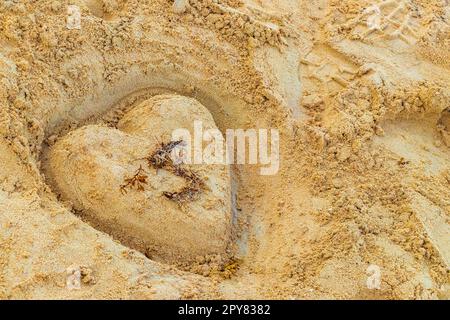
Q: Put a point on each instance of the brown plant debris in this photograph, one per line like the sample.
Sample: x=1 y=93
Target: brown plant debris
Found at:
x=159 y=159
x=195 y=186
x=138 y=181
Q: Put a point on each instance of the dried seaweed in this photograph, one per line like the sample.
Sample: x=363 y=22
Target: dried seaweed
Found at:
x=191 y=192
x=159 y=159
x=138 y=181
x=162 y=156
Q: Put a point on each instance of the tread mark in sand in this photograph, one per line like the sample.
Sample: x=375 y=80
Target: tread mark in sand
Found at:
x=389 y=19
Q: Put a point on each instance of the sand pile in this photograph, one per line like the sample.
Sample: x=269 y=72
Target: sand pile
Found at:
x=90 y=91
x=130 y=187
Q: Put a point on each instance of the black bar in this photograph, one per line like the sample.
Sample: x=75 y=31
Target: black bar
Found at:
x=236 y=309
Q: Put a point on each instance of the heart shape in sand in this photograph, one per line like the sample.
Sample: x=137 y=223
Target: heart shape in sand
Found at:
x=105 y=173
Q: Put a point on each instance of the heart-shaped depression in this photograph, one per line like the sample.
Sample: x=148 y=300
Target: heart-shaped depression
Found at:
x=168 y=212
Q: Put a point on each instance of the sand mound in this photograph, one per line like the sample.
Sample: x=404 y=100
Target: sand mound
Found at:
x=358 y=89
x=93 y=167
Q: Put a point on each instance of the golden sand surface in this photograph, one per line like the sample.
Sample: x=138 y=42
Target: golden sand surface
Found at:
x=358 y=89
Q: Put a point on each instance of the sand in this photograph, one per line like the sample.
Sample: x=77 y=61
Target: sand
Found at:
x=359 y=91
x=91 y=165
